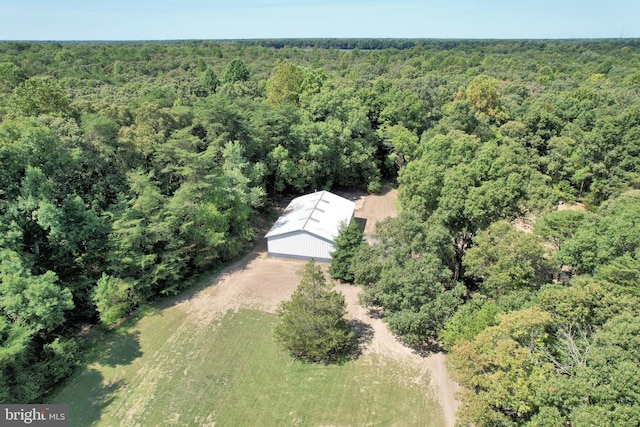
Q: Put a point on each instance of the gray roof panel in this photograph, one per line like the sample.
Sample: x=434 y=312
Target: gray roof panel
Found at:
x=319 y=213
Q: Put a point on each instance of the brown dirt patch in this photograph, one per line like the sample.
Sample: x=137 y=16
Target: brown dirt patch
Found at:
x=373 y=208
x=525 y=224
x=572 y=207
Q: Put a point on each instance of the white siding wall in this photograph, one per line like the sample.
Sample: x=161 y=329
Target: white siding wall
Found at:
x=300 y=245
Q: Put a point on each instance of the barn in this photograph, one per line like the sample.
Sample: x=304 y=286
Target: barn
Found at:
x=309 y=225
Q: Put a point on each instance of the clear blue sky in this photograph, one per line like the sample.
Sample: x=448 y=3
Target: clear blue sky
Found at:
x=211 y=19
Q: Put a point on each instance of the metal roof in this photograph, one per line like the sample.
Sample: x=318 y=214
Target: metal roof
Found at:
x=319 y=213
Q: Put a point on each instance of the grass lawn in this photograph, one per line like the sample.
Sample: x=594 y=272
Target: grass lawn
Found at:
x=167 y=370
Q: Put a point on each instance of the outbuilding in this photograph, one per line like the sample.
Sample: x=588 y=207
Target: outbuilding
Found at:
x=309 y=225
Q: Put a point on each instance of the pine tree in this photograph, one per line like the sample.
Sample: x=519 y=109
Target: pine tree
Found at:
x=209 y=80
x=312 y=326
x=347 y=243
x=236 y=71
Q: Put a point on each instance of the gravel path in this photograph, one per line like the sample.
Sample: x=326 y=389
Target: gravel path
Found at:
x=385 y=343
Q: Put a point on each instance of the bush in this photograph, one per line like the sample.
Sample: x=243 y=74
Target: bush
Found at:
x=374 y=186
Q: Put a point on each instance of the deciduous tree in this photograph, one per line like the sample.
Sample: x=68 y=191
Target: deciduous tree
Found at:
x=407 y=273
x=41 y=95
x=505 y=259
x=36 y=302
x=504 y=378
x=285 y=84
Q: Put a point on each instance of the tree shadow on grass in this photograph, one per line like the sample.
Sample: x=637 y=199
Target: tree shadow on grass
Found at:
x=94 y=397
x=121 y=348
x=89 y=392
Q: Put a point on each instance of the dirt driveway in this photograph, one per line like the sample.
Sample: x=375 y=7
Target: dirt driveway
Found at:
x=261 y=282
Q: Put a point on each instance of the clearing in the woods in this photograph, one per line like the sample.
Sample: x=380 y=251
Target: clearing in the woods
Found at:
x=208 y=357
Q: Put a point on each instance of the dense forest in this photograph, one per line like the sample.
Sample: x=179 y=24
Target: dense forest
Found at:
x=126 y=168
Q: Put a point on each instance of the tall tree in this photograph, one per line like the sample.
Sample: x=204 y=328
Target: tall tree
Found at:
x=209 y=80
x=407 y=273
x=466 y=185
x=114 y=299
x=483 y=96
x=608 y=237
x=236 y=71
x=347 y=243
x=311 y=324
x=504 y=379
x=145 y=249
x=565 y=361
x=36 y=302
x=285 y=84
x=11 y=75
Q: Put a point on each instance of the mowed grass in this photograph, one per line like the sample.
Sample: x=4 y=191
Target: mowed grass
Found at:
x=168 y=370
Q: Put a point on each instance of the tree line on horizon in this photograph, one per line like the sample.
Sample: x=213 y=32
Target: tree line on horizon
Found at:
x=126 y=168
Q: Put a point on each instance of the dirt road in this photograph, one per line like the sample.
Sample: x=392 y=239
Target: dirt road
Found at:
x=261 y=282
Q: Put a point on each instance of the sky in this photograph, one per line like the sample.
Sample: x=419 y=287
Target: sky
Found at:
x=250 y=19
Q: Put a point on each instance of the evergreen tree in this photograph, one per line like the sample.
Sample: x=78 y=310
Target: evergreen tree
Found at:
x=209 y=80
x=236 y=71
x=348 y=242
x=312 y=325
x=113 y=298
x=201 y=66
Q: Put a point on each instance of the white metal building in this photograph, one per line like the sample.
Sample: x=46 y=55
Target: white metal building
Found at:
x=309 y=225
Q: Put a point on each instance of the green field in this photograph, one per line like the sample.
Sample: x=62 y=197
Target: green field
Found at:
x=166 y=370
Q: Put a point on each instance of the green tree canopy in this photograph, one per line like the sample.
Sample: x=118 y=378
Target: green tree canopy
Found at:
x=502 y=376
x=564 y=361
x=483 y=96
x=41 y=95
x=609 y=238
x=407 y=273
x=35 y=302
x=505 y=259
x=114 y=299
x=11 y=75
x=467 y=185
x=558 y=227
x=132 y=160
